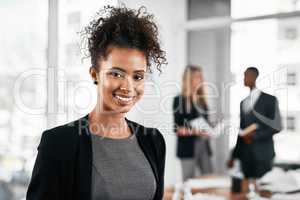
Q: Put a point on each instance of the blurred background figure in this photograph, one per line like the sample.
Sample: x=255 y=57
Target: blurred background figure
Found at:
x=255 y=149
x=193 y=148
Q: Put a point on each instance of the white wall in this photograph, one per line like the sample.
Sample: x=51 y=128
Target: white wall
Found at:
x=157 y=102
x=210 y=49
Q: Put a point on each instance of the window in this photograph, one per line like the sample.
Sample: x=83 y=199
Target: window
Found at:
x=291 y=33
x=74 y=18
x=76 y=94
x=23 y=93
x=74 y=22
x=277 y=58
x=72 y=55
x=290 y=123
x=252 y=8
x=23 y=80
x=291 y=78
x=208 y=8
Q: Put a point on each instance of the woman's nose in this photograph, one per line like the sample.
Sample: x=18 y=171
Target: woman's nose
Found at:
x=127 y=85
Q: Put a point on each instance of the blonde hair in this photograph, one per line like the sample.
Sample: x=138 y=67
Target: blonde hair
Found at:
x=186 y=89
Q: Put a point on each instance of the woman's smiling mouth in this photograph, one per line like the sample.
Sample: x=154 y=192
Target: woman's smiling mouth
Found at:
x=123 y=100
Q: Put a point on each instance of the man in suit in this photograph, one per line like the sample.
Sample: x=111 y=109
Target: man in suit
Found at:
x=255 y=150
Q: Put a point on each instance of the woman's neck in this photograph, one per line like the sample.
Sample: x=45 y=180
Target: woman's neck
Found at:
x=108 y=125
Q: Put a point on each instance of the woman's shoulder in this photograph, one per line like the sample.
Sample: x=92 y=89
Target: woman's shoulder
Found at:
x=60 y=138
x=177 y=99
x=178 y=96
x=62 y=131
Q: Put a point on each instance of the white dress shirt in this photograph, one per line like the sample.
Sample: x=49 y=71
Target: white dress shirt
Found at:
x=250 y=100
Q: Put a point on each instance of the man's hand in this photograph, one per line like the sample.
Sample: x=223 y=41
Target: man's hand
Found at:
x=230 y=163
x=199 y=133
x=183 y=131
x=248 y=137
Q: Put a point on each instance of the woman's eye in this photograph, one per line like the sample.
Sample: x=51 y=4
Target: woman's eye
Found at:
x=116 y=74
x=138 y=77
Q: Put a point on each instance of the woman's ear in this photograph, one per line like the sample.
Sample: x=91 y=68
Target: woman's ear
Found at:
x=94 y=74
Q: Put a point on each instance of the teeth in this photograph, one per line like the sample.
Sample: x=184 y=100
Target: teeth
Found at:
x=124 y=98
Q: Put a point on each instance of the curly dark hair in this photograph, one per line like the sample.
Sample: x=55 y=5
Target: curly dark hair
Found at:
x=125 y=28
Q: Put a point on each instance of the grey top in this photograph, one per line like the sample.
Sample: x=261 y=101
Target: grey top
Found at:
x=120 y=170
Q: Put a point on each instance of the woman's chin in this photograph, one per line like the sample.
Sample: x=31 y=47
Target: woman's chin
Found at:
x=122 y=109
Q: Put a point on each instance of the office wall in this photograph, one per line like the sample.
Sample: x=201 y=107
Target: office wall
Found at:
x=210 y=49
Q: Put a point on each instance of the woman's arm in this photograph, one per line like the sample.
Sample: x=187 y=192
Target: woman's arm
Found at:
x=176 y=115
x=160 y=152
x=44 y=184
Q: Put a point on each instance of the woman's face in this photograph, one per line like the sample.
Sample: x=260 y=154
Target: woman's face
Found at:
x=196 y=80
x=120 y=79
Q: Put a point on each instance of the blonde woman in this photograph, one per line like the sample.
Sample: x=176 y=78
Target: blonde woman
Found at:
x=193 y=148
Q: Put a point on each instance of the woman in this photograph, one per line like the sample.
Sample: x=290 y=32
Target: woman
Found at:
x=104 y=155
x=193 y=148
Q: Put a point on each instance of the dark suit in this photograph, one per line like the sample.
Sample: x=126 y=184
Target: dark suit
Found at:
x=256 y=158
x=63 y=165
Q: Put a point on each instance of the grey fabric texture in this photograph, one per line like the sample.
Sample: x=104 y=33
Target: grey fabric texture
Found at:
x=202 y=157
x=120 y=170
x=200 y=163
x=188 y=166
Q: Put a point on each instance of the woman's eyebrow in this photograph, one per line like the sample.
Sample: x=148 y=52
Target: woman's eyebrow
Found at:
x=140 y=70
x=120 y=69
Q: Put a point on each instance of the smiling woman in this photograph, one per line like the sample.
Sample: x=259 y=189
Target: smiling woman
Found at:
x=121 y=79
x=104 y=155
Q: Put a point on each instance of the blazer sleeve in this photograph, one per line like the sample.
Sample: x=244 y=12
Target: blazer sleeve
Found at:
x=176 y=114
x=236 y=149
x=271 y=123
x=44 y=183
x=161 y=155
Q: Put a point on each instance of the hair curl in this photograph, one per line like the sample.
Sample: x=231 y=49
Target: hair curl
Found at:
x=125 y=28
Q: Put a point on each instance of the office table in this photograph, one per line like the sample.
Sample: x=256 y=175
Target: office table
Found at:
x=224 y=192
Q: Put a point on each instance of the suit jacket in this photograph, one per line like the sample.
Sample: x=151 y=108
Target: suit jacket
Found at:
x=185 y=144
x=63 y=166
x=266 y=114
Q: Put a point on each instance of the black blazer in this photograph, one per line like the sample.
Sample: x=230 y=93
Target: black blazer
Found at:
x=266 y=114
x=185 y=144
x=63 y=166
